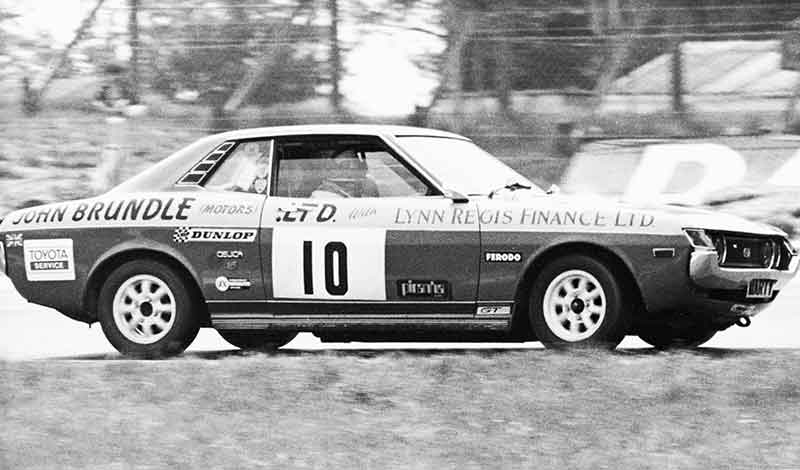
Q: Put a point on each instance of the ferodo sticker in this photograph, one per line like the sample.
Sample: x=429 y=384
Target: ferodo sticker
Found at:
x=49 y=260
x=195 y=234
x=502 y=257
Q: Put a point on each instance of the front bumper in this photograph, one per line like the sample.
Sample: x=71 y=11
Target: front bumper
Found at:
x=706 y=273
x=726 y=287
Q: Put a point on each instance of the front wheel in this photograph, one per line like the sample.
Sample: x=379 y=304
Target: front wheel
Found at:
x=256 y=340
x=577 y=301
x=146 y=310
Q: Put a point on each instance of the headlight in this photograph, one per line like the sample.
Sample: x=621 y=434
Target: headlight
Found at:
x=699 y=238
x=769 y=252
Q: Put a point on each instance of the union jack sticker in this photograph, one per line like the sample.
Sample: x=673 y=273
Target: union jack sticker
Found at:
x=14 y=240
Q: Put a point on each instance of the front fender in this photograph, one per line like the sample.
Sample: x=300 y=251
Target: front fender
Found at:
x=661 y=281
x=144 y=244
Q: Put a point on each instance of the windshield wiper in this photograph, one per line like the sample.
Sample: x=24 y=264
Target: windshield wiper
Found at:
x=511 y=187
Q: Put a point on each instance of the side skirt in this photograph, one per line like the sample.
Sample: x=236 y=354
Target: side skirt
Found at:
x=361 y=316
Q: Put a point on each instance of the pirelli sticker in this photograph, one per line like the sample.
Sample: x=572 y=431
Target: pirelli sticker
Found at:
x=49 y=260
x=201 y=234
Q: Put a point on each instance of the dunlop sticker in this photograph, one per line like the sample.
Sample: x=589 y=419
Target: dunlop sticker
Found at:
x=200 y=234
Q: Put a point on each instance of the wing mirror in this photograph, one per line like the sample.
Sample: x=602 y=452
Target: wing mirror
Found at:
x=553 y=189
x=456 y=196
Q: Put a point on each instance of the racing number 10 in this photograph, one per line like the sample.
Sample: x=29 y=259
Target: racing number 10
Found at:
x=335 y=285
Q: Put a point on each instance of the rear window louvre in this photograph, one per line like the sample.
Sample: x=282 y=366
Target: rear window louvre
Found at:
x=205 y=167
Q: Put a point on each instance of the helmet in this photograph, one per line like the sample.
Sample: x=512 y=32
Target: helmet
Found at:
x=348 y=162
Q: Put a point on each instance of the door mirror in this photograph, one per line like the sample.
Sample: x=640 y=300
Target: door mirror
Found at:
x=553 y=189
x=456 y=196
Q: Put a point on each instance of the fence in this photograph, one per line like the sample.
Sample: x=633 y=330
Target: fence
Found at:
x=526 y=81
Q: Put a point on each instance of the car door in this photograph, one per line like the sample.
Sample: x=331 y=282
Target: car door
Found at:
x=350 y=229
x=222 y=233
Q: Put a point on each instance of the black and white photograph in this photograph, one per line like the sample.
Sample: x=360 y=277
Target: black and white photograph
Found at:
x=399 y=234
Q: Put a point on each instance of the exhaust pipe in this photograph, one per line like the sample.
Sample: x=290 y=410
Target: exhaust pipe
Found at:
x=744 y=322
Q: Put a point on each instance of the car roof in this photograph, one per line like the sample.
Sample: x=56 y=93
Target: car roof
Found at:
x=162 y=175
x=345 y=129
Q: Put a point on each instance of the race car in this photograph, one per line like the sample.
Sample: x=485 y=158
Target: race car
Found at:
x=382 y=233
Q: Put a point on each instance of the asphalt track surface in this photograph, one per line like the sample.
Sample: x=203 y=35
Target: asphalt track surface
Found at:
x=28 y=331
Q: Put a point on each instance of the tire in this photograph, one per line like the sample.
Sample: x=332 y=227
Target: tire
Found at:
x=577 y=301
x=159 y=324
x=666 y=337
x=256 y=340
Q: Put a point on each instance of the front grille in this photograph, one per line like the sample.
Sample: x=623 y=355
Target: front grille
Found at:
x=747 y=252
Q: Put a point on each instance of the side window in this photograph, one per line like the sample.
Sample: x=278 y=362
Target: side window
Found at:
x=342 y=166
x=245 y=169
x=391 y=177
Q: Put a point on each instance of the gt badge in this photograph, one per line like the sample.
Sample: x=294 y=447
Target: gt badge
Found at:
x=223 y=284
x=13 y=240
x=491 y=310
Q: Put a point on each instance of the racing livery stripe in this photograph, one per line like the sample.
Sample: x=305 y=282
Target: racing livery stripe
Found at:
x=187 y=209
x=430 y=262
x=392 y=325
x=354 y=308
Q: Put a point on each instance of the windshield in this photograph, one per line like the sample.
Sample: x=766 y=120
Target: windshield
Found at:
x=461 y=165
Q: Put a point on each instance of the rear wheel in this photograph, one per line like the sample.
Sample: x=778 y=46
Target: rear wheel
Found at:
x=146 y=310
x=668 y=337
x=577 y=301
x=256 y=340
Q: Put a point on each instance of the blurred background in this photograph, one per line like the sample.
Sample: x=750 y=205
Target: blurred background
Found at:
x=677 y=101
x=693 y=102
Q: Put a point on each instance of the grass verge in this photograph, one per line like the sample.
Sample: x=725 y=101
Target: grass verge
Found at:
x=402 y=409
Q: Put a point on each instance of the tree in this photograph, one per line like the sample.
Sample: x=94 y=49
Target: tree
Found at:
x=234 y=55
x=4 y=36
x=133 y=31
x=335 y=55
x=508 y=45
x=63 y=56
x=623 y=32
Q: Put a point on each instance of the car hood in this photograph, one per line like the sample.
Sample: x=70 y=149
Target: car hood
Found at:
x=711 y=220
x=680 y=216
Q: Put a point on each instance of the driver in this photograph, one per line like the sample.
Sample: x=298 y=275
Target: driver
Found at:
x=346 y=176
x=253 y=165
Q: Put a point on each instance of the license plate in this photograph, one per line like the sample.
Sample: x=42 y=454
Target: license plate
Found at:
x=760 y=289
